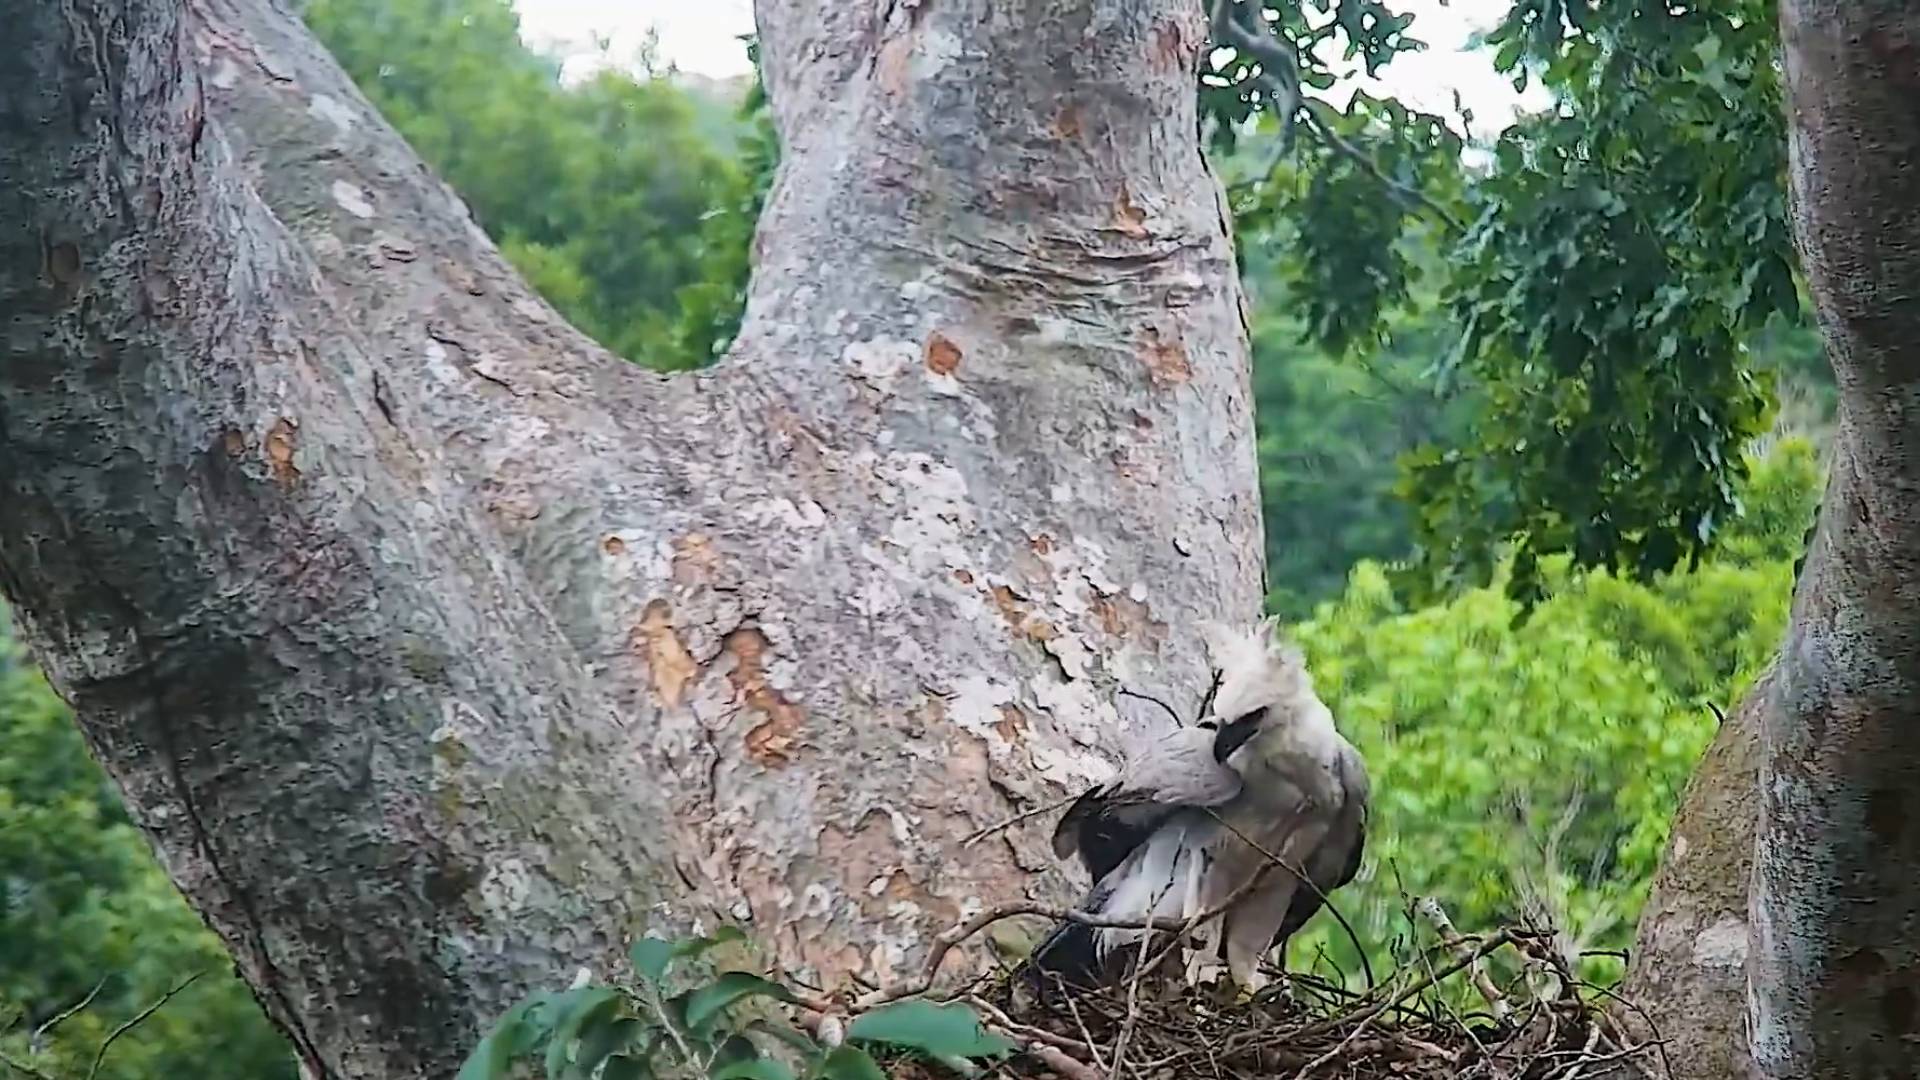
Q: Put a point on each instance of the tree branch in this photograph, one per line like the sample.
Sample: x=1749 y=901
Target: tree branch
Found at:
x=1280 y=74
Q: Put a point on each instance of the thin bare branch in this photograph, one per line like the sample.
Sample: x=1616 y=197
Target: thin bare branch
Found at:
x=136 y=1020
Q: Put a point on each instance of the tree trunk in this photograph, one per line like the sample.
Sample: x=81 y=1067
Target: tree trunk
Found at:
x=439 y=651
x=1688 y=979
x=1833 y=965
x=1835 y=978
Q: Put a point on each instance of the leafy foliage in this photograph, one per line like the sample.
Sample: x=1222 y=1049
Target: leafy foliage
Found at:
x=1485 y=739
x=1624 y=249
x=616 y=198
x=679 y=1019
x=1619 y=256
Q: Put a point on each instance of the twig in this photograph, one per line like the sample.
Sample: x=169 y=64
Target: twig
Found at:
x=137 y=1019
x=1048 y=1048
x=36 y=1041
x=1133 y=1000
x=22 y=1068
x=1487 y=945
x=1340 y=1047
x=1586 y=1053
x=1433 y=913
x=1073 y=1008
x=660 y=1013
x=1659 y=1041
x=1168 y=709
x=1016 y=819
x=944 y=944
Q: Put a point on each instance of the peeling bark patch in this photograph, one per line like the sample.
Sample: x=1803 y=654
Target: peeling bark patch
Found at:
x=280 y=449
x=694 y=559
x=1127 y=217
x=1166 y=47
x=1067 y=123
x=669 y=664
x=771 y=742
x=943 y=356
x=1012 y=723
x=1011 y=609
x=1722 y=945
x=352 y=198
x=332 y=111
x=1166 y=361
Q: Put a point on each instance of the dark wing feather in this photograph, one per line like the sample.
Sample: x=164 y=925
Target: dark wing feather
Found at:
x=1103 y=827
x=1107 y=823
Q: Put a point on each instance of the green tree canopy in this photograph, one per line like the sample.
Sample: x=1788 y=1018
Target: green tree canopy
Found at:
x=625 y=200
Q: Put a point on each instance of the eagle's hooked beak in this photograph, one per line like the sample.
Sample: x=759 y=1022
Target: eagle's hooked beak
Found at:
x=1234 y=734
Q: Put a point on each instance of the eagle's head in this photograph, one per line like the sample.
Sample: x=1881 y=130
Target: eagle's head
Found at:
x=1259 y=680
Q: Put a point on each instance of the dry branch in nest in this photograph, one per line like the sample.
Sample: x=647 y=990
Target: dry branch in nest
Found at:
x=1304 y=1027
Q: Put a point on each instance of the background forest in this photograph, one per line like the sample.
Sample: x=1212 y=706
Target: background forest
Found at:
x=629 y=201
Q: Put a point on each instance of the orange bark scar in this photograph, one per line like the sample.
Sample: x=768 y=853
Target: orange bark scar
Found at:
x=1166 y=46
x=1166 y=361
x=670 y=665
x=1067 y=123
x=943 y=356
x=694 y=559
x=771 y=742
x=1127 y=217
x=280 y=446
x=1011 y=724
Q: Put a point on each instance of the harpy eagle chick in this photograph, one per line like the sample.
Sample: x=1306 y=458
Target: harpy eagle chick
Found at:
x=1167 y=838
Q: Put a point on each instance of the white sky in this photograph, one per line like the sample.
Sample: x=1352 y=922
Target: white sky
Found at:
x=702 y=37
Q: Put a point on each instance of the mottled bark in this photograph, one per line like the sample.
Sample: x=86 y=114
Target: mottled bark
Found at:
x=1835 y=968
x=1688 y=978
x=439 y=652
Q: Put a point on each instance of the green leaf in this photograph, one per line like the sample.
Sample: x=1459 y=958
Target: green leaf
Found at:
x=601 y=1041
x=692 y=948
x=651 y=957
x=938 y=1030
x=733 y=986
x=733 y=1049
x=797 y=1039
x=626 y=1067
x=517 y=1033
x=760 y=1069
x=572 y=1011
x=849 y=1063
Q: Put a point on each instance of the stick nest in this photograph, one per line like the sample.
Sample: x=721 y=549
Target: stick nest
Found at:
x=1547 y=1026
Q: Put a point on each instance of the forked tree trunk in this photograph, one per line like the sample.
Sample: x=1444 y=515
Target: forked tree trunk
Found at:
x=1833 y=967
x=439 y=652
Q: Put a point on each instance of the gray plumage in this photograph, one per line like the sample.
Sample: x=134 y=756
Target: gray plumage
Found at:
x=1169 y=837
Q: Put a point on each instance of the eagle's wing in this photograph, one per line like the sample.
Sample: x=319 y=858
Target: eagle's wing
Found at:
x=1335 y=862
x=1107 y=823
